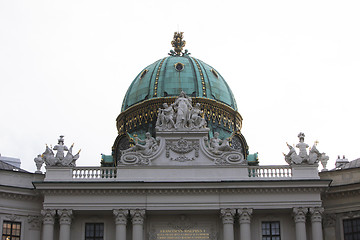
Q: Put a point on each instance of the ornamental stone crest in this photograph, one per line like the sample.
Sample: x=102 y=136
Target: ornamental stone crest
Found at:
x=139 y=154
x=180 y=115
x=58 y=159
x=303 y=157
x=183 y=148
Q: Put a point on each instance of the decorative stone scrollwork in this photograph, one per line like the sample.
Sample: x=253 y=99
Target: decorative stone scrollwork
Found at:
x=245 y=215
x=299 y=214
x=227 y=215
x=182 y=147
x=316 y=214
x=48 y=216
x=65 y=216
x=329 y=220
x=303 y=157
x=182 y=222
x=120 y=216
x=12 y=217
x=134 y=159
x=137 y=216
x=230 y=158
x=34 y=222
x=60 y=159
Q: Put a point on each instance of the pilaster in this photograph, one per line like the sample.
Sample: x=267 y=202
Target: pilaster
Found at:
x=34 y=227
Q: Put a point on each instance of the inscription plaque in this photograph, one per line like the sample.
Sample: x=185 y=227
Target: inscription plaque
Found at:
x=179 y=234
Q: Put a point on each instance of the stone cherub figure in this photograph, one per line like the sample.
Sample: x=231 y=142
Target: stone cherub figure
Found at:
x=313 y=157
x=145 y=147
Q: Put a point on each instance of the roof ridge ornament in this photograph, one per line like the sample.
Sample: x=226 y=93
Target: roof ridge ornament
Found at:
x=178 y=43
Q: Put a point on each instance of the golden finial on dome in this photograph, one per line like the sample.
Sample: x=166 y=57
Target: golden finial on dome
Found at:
x=178 y=43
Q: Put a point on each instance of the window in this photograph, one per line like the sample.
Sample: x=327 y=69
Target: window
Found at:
x=270 y=230
x=11 y=230
x=94 y=231
x=351 y=229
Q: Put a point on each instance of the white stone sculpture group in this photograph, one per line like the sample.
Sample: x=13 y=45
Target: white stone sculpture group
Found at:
x=180 y=115
x=60 y=159
x=313 y=157
x=178 y=118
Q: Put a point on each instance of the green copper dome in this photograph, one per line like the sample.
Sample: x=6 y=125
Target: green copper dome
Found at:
x=169 y=76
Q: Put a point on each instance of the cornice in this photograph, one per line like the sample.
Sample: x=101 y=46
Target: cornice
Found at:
x=184 y=191
x=19 y=196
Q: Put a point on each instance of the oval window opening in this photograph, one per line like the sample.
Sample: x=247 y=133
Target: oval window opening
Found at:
x=179 y=67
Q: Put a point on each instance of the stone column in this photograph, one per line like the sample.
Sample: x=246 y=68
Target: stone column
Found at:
x=48 y=223
x=65 y=216
x=329 y=226
x=227 y=216
x=300 y=219
x=244 y=220
x=34 y=228
x=316 y=219
x=138 y=216
x=120 y=222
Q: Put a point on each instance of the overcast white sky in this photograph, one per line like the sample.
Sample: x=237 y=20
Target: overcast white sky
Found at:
x=292 y=65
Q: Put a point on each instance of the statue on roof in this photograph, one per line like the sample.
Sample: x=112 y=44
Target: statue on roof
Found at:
x=218 y=146
x=145 y=147
x=303 y=157
x=60 y=159
x=140 y=153
x=180 y=115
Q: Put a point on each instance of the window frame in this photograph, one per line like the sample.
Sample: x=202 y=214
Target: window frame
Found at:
x=270 y=221
x=94 y=237
x=11 y=227
x=357 y=218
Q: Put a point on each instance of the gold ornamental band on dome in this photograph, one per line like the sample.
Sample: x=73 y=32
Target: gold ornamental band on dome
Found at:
x=157 y=78
x=147 y=111
x=202 y=77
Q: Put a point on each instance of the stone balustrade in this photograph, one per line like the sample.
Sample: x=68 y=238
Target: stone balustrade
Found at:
x=270 y=171
x=94 y=173
x=208 y=173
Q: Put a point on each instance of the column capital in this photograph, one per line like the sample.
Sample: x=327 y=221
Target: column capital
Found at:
x=316 y=214
x=137 y=215
x=227 y=215
x=34 y=222
x=245 y=215
x=120 y=216
x=299 y=214
x=48 y=216
x=65 y=216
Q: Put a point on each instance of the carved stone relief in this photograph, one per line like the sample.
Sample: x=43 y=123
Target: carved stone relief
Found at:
x=183 y=148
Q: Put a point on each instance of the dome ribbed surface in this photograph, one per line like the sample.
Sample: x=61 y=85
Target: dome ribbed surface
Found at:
x=169 y=76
